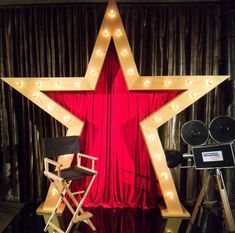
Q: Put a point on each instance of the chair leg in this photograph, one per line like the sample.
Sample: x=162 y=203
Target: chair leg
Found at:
x=78 y=209
x=55 y=209
x=87 y=221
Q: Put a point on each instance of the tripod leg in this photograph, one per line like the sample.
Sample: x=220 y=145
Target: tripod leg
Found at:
x=225 y=201
x=198 y=204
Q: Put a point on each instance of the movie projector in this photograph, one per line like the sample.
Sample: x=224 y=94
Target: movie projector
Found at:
x=217 y=154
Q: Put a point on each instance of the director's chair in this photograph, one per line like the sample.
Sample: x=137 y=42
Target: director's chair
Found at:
x=61 y=179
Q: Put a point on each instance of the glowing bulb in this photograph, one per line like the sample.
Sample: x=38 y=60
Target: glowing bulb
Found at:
x=151 y=138
x=35 y=95
x=210 y=81
x=174 y=106
x=164 y=175
x=50 y=107
x=124 y=52
x=19 y=83
x=67 y=118
x=170 y=195
x=112 y=13
x=106 y=32
x=157 y=118
x=168 y=231
x=130 y=71
x=38 y=83
x=77 y=83
x=93 y=71
x=118 y=32
x=59 y=84
x=192 y=94
x=54 y=191
x=189 y=82
x=157 y=156
x=146 y=83
x=99 y=52
x=168 y=82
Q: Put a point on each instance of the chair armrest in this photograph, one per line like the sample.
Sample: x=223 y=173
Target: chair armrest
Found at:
x=87 y=156
x=52 y=176
x=92 y=158
x=50 y=161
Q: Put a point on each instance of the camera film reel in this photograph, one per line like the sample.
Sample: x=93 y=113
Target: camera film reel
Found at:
x=194 y=133
x=222 y=129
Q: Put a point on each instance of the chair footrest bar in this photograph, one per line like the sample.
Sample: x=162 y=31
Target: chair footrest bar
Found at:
x=86 y=215
x=55 y=227
x=79 y=192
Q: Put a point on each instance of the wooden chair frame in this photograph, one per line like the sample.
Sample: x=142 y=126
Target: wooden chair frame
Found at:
x=78 y=214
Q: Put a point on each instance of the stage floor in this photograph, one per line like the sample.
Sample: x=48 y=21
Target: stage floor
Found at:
x=106 y=221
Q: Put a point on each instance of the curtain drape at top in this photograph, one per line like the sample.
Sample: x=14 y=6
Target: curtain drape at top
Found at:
x=58 y=41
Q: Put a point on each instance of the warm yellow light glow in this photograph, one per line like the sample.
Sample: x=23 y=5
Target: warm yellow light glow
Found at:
x=130 y=71
x=189 y=82
x=174 y=106
x=170 y=195
x=209 y=81
x=124 y=52
x=118 y=32
x=157 y=156
x=151 y=138
x=146 y=83
x=59 y=84
x=99 y=52
x=77 y=83
x=168 y=231
x=168 y=82
x=158 y=118
x=54 y=191
x=38 y=84
x=19 y=83
x=35 y=95
x=192 y=94
x=93 y=71
x=112 y=13
x=50 y=107
x=67 y=118
x=164 y=175
x=106 y=32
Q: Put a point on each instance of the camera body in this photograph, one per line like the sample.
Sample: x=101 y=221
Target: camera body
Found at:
x=214 y=156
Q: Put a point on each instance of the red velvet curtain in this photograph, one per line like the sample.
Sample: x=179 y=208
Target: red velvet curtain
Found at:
x=112 y=114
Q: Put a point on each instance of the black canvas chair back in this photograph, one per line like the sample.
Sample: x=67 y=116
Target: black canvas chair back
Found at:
x=57 y=146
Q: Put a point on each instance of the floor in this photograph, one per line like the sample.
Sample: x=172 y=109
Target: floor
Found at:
x=8 y=211
x=24 y=220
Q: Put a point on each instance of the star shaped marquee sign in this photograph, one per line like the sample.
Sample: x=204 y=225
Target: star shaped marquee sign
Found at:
x=192 y=88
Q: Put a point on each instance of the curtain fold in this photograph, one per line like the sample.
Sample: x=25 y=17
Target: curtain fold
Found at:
x=58 y=41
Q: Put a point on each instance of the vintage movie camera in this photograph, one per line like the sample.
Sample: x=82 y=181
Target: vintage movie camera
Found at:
x=212 y=147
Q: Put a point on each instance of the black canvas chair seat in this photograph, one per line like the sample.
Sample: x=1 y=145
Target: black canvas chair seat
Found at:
x=73 y=173
x=61 y=179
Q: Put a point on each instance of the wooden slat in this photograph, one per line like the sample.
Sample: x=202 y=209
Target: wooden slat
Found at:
x=55 y=227
x=84 y=216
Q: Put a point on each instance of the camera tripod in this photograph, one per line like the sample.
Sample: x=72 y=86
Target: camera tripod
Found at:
x=217 y=174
